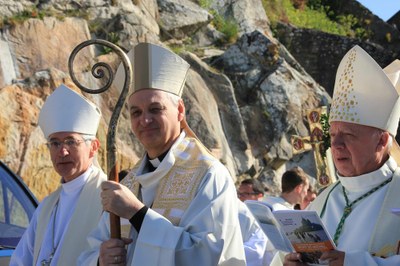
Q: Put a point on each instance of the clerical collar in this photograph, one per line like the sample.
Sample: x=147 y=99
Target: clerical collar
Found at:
x=156 y=161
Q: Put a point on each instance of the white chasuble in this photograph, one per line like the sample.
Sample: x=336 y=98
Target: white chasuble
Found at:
x=193 y=219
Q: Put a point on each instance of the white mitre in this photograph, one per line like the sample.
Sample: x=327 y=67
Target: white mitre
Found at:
x=392 y=71
x=364 y=94
x=67 y=111
x=155 y=67
x=158 y=68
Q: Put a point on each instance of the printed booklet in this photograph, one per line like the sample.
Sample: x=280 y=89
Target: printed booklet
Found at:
x=306 y=233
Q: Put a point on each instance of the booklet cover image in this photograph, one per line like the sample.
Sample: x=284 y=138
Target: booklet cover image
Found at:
x=306 y=233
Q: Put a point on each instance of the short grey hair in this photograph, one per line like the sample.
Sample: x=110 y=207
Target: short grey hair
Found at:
x=87 y=137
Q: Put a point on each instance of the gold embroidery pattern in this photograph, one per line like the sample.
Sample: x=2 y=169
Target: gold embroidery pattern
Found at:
x=130 y=182
x=179 y=186
x=344 y=105
x=177 y=190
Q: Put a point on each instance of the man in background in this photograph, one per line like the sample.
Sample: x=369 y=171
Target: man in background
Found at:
x=295 y=183
x=57 y=232
x=250 y=189
x=311 y=195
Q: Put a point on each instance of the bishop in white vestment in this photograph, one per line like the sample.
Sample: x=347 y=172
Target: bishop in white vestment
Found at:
x=357 y=210
x=57 y=233
x=180 y=200
x=207 y=232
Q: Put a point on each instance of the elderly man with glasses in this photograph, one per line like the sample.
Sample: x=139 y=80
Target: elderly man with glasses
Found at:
x=57 y=232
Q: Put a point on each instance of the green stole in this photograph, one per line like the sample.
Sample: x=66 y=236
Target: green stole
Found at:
x=385 y=240
x=179 y=185
x=85 y=218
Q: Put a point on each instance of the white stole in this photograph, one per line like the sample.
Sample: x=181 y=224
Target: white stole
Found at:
x=85 y=217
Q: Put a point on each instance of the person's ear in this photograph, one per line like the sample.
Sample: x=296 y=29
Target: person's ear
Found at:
x=94 y=147
x=383 y=141
x=299 y=188
x=181 y=110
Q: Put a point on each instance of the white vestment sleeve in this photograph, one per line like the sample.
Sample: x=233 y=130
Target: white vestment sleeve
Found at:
x=208 y=234
x=254 y=239
x=255 y=249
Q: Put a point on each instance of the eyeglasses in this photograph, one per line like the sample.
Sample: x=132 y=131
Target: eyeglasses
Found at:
x=68 y=143
x=246 y=194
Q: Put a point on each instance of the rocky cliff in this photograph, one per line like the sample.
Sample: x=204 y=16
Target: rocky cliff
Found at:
x=245 y=97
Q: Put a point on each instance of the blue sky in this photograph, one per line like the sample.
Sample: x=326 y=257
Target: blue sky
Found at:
x=384 y=9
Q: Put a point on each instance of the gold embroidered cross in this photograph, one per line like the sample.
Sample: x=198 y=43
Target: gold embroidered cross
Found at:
x=314 y=142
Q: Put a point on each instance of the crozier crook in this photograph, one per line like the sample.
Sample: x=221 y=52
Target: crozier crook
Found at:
x=98 y=71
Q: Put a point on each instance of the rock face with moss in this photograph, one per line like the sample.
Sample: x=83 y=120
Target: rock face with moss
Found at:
x=320 y=53
x=245 y=94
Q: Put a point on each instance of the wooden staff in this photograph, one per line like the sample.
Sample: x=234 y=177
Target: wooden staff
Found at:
x=102 y=70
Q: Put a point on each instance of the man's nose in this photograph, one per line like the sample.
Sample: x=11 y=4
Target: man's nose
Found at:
x=146 y=119
x=63 y=149
x=337 y=141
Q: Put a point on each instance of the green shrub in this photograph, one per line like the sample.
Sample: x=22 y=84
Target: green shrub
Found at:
x=227 y=26
x=22 y=16
x=113 y=38
x=315 y=15
x=33 y=12
x=388 y=36
x=206 y=4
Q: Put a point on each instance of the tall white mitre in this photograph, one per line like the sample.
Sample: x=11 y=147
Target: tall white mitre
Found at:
x=155 y=67
x=366 y=94
x=67 y=111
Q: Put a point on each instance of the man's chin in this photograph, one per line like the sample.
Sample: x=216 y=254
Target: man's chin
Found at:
x=345 y=172
x=149 y=141
x=64 y=170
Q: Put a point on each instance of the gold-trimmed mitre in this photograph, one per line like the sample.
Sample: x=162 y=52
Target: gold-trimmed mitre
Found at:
x=154 y=67
x=364 y=94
